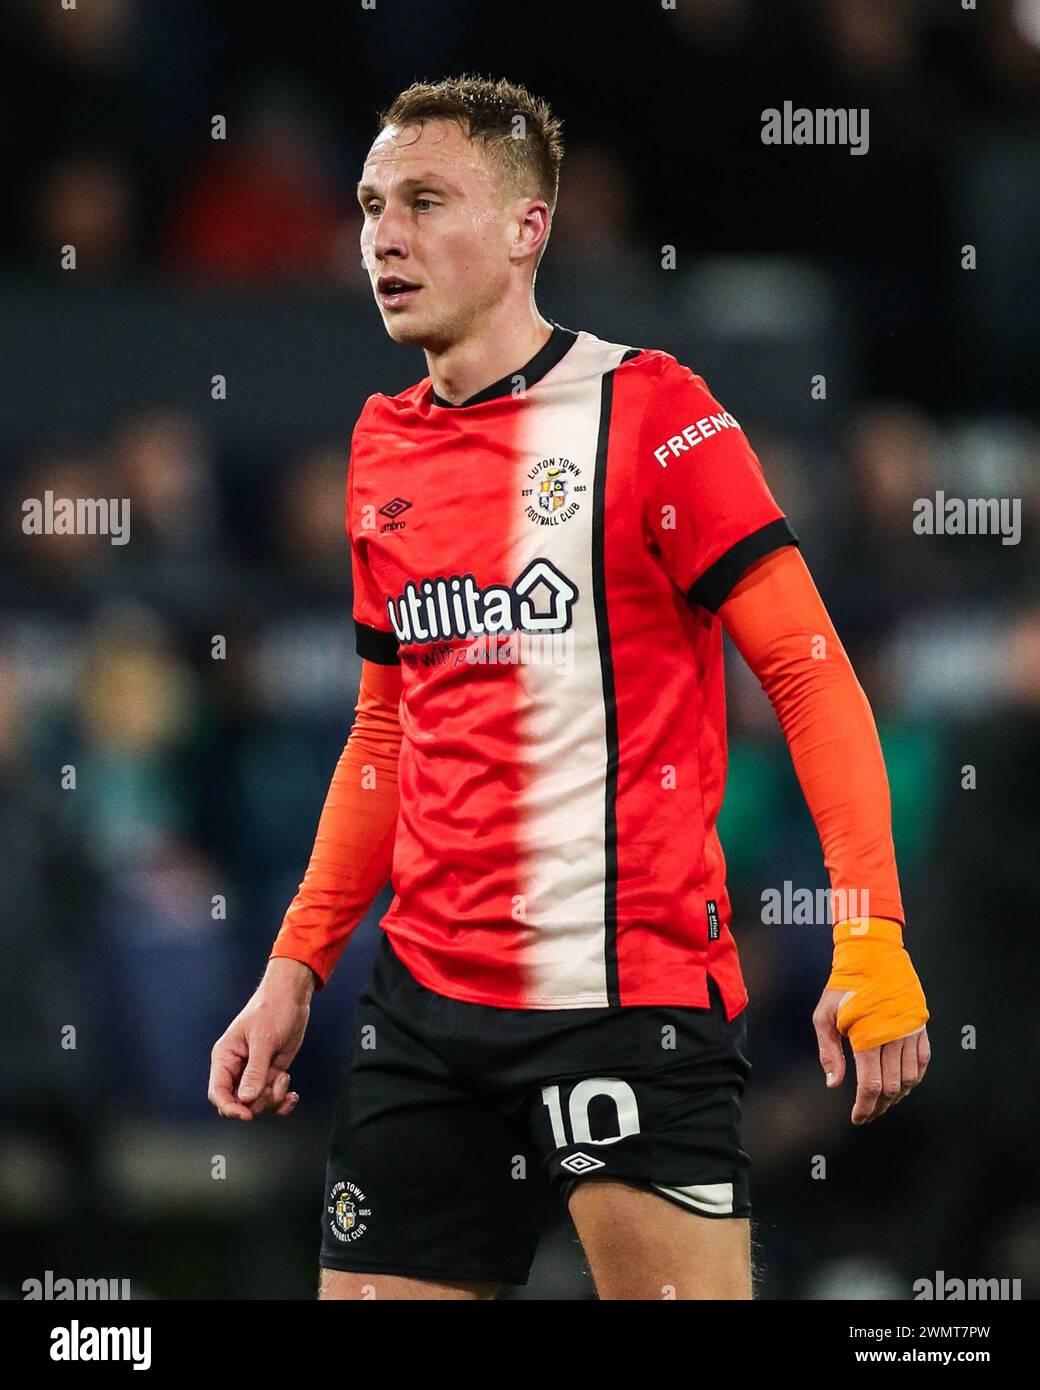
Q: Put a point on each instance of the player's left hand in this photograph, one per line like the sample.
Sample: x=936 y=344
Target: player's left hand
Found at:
x=884 y=1075
x=874 y=998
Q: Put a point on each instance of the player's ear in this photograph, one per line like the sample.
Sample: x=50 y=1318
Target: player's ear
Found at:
x=532 y=226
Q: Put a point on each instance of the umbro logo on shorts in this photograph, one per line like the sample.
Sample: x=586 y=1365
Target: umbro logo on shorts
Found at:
x=581 y=1163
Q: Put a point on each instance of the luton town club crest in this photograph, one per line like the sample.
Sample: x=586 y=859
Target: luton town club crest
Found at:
x=552 y=498
x=348 y=1208
x=552 y=492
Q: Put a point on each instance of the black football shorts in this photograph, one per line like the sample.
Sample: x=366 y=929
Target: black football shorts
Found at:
x=456 y=1123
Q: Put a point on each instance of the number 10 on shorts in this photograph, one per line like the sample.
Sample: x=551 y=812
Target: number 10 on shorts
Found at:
x=579 y=1099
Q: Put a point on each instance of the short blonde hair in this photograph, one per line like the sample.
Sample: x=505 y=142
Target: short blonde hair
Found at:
x=486 y=110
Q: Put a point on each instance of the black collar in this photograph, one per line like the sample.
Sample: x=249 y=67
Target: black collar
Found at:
x=547 y=356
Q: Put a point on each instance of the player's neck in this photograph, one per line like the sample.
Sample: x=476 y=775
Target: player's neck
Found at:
x=501 y=346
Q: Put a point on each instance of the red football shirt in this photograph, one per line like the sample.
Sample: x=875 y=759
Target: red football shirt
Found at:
x=546 y=560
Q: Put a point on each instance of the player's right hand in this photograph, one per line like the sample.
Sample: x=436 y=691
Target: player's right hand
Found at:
x=248 y=1064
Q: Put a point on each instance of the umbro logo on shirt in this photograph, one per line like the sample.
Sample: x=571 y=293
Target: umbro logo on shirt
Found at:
x=392 y=510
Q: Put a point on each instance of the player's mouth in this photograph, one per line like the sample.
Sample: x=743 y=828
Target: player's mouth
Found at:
x=394 y=291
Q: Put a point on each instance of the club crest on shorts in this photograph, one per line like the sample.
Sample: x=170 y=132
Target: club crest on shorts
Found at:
x=348 y=1207
x=581 y=1163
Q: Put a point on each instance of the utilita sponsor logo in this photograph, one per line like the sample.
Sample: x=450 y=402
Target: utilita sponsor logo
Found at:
x=434 y=610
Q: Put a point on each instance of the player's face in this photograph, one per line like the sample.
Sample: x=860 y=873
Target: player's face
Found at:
x=437 y=232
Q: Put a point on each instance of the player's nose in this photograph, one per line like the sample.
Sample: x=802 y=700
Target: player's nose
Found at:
x=388 y=238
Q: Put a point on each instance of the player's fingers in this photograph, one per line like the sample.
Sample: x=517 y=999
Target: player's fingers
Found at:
x=262 y=1102
x=924 y=1053
x=273 y=1094
x=254 y=1078
x=869 y=1086
x=892 y=1071
x=231 y=1110
x=900 y=1072
x=910 y=1068
x=289 y=1104
x=895 y=1086
x=221 y=1093
x=828 y=1039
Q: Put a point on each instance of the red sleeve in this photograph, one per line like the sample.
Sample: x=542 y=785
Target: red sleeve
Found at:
x=353 y=847
x=374 y=636
x=781 y=628
x=708 y=510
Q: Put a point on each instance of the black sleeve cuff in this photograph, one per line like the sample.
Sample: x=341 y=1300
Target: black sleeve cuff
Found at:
x=717 y=582
x=373 y=645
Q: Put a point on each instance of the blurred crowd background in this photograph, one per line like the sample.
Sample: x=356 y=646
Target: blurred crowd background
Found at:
x=200 y=779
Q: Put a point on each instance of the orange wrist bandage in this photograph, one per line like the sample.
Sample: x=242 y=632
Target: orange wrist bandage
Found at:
x=884 y=999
